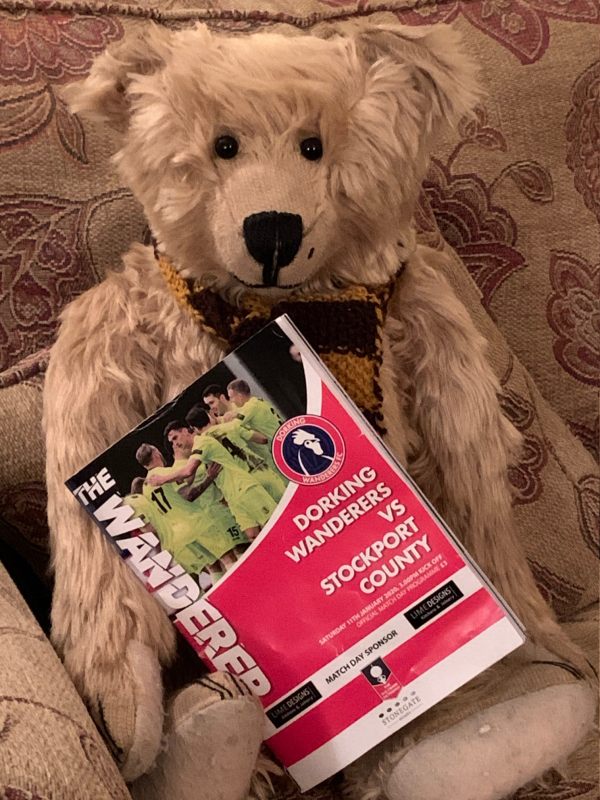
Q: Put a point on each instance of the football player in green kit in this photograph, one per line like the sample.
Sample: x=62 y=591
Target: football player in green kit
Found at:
x=143 y=507
x=255 y=414
x=176 y=522
x=221 y=533
x=215 y=399
x=241 y=442
x=250 y=504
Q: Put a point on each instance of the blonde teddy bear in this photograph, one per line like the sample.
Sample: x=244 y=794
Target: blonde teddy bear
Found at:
x=275 y=167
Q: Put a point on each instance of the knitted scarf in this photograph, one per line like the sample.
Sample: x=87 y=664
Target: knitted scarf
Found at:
x=345 y=327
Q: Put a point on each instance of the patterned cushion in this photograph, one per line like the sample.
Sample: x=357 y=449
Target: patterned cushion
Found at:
x=22 y=477
x=49 y=747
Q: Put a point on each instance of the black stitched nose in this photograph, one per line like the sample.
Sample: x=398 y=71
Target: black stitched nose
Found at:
x=273 y=239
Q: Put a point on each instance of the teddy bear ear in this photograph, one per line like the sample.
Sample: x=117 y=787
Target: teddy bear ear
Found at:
x=441 y=71
x=103 y=94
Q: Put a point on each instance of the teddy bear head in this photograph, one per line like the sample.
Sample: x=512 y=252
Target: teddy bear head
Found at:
x=278 y=162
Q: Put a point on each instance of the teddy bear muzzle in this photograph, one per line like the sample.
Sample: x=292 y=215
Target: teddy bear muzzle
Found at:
x=273 y=239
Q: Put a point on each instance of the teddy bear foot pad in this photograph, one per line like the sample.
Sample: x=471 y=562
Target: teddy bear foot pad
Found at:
x=491 y=754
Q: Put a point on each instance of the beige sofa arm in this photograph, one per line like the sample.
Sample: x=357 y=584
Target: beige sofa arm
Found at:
x=49 y=746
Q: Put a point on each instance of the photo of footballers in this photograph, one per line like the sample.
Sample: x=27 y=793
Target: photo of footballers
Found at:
x=200 y=473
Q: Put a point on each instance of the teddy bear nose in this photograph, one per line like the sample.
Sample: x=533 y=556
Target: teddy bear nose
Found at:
x=273 y=238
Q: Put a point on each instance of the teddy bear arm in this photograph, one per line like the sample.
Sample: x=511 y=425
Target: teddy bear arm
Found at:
x=466 y=444
x=110 y=632
x=460 y=458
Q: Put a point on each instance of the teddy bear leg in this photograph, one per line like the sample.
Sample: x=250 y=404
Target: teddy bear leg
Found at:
x=214 y=732
x=125 y=699
x=494 y=752
x=112 y=636
x=145 y=733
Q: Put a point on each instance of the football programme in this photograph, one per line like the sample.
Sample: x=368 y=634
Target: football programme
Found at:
x=290 y=548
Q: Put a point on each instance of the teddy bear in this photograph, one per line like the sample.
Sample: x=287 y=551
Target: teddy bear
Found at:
x=274 y=167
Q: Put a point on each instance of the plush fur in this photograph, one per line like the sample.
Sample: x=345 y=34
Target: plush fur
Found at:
x=377 y=96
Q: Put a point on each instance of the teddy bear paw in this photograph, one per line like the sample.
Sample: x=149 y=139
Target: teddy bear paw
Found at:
x=213 y=736
x=125 y=699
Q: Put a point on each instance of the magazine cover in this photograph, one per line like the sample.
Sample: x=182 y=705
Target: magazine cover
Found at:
x=290 y=548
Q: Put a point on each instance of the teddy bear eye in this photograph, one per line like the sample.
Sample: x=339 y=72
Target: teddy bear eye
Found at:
x=226 y=146
x=311 y=148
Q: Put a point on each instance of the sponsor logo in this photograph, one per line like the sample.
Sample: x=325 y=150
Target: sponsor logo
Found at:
x=378 y=672
x=400 y=709
x=308 y=449
x=382 y=679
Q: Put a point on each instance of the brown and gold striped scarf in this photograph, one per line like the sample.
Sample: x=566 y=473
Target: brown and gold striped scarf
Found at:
x=344 y=327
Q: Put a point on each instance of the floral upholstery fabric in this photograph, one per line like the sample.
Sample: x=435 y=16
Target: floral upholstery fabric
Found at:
x=513 y=200
x=49 y=747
